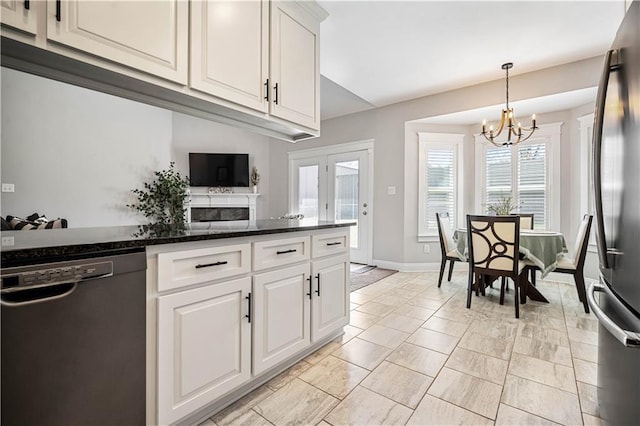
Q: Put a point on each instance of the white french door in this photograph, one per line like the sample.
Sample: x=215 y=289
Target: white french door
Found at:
x=335 y=187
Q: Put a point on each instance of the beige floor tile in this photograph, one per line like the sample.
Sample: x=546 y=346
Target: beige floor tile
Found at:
x=414 y=286
x=288 y=375
x=236 y=410
x=499 y=348
x=459 y=314
x=509 y=416
x=588 y=395
x=207 y=422
x=334 y=376
x=503 y=328
x=543 y=350
x=363 y=407
x=592 y=420
x=362 y=320
x=584 y=351
x=397 y=383
x=249 y=417
x=414 y=312
x=583 y=336
x=541 y=400
x=586 y=371
x=436 y=412
x=384 y=336
x=297 y=402
x=323 y=423
x=542 y=320
x=545 y=372
x=474 y=394
x=389 y=299
x=402 y=292
x=446 y=326
x=374 y=308
x=362 y=353
x=478 y=365
x=359 y=298
x=545 y=334
x=349 y=333
x=322 y=353
x=423 y=302
x=433 y=340
x=401 y=322
x=588 y=324
x=419 y=359
x=353 y=306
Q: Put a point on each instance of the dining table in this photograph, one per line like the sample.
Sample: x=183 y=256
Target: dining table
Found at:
x=543 y=248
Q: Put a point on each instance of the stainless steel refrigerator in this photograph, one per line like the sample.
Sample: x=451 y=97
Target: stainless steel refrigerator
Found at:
x=616 y=182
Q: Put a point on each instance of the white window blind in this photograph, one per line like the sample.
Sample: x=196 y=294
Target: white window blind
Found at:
x=532 y=182
x=440 y=180
x=498 y=175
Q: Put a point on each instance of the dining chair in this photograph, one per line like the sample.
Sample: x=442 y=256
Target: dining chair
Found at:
x=494 y=243
x=447 y=249
x=575 y=265
x=526 y=220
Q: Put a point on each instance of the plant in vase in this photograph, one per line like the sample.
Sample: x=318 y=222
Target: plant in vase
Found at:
x=255 y=178
x=504 y=206
x=163 y=202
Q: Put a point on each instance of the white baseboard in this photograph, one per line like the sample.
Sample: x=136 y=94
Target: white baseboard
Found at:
x=407 y=267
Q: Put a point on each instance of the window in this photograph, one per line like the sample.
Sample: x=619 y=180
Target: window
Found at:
x=528 y=173
x=586 y=164
x=440 y=184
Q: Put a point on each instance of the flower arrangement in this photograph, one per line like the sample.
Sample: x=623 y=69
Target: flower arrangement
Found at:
x=502 y=207
x=255 y=176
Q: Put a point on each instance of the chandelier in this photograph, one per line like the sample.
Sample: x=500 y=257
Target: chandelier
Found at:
x=515 y=132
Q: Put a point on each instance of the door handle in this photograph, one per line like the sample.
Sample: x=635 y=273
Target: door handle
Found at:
x=630 y=339
x=310 y=279
x=248 y=316
x=207 y=265
x=31 y=296
x=364 y=213
x=318 y=278
x=58 y=11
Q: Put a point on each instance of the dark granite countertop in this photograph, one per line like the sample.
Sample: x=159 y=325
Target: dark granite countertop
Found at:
x=64 y=244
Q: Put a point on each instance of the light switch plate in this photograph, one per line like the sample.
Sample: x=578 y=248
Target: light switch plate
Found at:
x=7 y=241
x=391 y=190
x=8 y=187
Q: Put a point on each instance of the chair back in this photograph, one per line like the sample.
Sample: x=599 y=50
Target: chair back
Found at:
x=526 y=220
x=582 y=240
x=494 y=243
x=444 y=229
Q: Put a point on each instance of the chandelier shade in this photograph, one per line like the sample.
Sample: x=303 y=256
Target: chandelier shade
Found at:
x=515 y=133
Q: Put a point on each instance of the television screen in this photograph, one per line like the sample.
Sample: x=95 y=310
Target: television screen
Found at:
x=219 y=169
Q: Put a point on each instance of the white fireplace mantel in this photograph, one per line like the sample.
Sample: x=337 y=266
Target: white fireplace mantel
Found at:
x=213 y=200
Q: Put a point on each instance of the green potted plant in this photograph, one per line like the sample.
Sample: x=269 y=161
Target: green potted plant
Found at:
x=255 y=178
x=163 y=202
x=504 y=206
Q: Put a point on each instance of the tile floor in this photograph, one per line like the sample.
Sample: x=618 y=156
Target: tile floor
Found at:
x=413 y=354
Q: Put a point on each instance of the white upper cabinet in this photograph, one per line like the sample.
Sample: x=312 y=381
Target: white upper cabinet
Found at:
x=229 y=50
x=151 y=36
x=19 y=14
x=295 y=64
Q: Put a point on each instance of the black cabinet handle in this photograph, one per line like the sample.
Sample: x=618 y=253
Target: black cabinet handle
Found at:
x=58 y=11
x=26 y=4
x=310 y=279
x=248 y=316
x=287 y=251
x=206 y=265
x=337 y=243
x=318 y=278
x=275 y=99
x=266 y=89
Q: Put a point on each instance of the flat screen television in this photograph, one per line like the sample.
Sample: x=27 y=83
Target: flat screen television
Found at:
x=219 y=169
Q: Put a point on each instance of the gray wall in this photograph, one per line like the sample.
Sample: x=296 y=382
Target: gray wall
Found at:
x=394 y=235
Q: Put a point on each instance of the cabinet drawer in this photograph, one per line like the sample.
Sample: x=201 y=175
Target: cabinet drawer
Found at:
x=183 y=268
x=267 y=254
x=327 y=244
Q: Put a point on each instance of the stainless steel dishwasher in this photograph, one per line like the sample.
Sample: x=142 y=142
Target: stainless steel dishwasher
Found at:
x=73 y=342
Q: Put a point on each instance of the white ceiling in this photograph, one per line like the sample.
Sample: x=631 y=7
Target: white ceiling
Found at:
x=375 y=53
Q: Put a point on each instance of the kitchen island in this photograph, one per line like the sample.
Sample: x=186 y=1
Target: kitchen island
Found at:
x=228 y=307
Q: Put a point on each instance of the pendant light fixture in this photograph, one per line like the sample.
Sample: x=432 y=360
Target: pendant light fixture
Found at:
x=515 y=132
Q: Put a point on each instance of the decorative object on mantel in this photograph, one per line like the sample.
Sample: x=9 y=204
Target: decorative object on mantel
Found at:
x=506 y=118
x=503 y=207
x=163 y=202
x=255 y=178
x=220 y=190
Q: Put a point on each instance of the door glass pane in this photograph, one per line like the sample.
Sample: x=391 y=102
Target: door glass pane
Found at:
x=308 y=191
x=532 y=182
x=346 y=196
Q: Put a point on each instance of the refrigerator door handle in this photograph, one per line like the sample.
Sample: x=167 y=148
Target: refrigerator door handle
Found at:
x=628 y=338
x=597 y=157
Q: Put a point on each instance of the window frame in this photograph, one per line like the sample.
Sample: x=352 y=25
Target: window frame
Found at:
x=549 y=134
x=447 y=141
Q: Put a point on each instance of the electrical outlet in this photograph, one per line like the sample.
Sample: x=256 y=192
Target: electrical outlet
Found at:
x=7 y=241
x=391 y=190
x=425 y=248
x=8 y=187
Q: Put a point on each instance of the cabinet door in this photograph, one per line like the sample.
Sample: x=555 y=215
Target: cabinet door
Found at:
x=204 y=346
x=149 y=36
x=281 y=319
x=330 y=303
x=229 y=50
x=19 y=14
x=295 y=66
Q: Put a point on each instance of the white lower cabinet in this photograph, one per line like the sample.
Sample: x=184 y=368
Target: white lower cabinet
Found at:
x=281 y=302
x=330 y=301
x=204 y=346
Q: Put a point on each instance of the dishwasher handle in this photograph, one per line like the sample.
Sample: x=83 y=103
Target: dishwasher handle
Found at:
x=33 y=295
x=630 y=339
